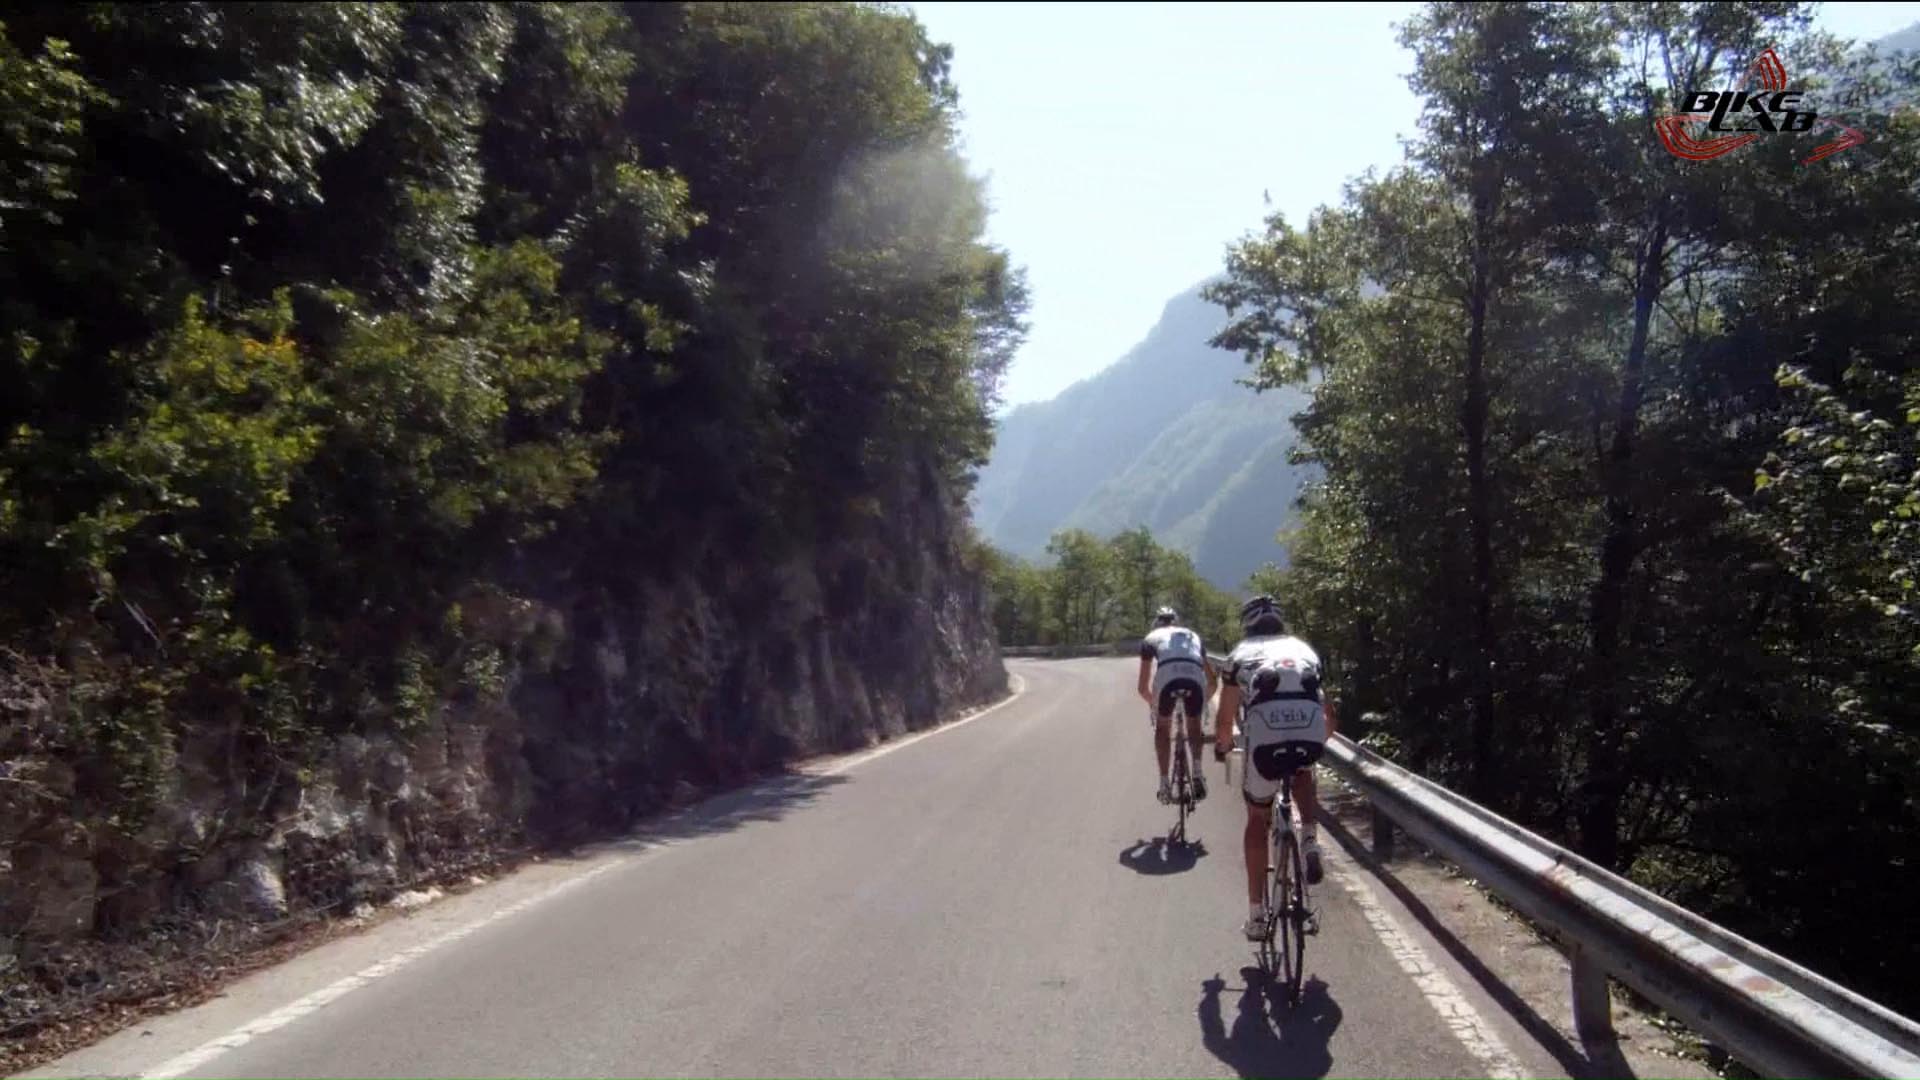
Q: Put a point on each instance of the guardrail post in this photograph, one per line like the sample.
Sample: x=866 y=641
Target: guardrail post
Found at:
x=1382 y=834
x=1592 y=1007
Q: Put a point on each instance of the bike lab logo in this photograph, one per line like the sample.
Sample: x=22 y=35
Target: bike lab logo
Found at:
x=1746 y=115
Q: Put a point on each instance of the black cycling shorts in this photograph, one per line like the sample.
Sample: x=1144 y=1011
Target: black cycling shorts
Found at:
x=1191 y=690
x=1268 y=764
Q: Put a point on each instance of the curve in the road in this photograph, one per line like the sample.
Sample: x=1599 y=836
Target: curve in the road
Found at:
x=986 y=899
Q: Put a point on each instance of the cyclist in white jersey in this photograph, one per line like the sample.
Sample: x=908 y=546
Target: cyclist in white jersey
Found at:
x=1173 y=665
x=1275 y=678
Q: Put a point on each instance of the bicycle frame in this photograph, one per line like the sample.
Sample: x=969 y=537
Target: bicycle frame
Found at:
x=1182 y=768
x=1279 y=808
x=1279 y=814
x=1280 y=811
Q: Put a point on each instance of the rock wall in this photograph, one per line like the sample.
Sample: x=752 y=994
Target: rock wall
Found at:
x=611 y=704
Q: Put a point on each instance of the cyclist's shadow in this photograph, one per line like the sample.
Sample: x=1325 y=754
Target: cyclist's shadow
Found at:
x=1268 y=1038
x=1158 y=856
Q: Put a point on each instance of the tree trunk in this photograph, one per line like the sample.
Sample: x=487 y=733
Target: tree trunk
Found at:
x=1366 y=666
x=1606 y=782
x=1473 y=421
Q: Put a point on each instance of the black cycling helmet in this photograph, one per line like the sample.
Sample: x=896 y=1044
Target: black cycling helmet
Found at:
x=1261 y=615
x=1166 y=616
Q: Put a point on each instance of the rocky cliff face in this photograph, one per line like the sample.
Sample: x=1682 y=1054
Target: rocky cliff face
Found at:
x=605 y=708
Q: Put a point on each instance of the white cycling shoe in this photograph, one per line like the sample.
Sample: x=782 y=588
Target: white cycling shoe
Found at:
x=1255 y=928
x=1166 y=791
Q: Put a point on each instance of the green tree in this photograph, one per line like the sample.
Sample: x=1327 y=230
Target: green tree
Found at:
x=1506 y=87
x=326 y=325
x=1081 y=587
x=1092 y=594
x=1020 y=596
x=1655 y=632
x=1136 y=566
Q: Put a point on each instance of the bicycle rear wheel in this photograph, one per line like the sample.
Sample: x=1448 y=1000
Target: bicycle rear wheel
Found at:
x=1291 y=877
x=1182 y=791
x=1267 y=953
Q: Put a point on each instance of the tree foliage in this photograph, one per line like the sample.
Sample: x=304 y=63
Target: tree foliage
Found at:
x=1619 y=490
x=1096 y=592
x=317 y=318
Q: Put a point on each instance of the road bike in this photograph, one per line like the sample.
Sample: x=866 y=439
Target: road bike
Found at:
x=1180 y=775
x=1289 y=917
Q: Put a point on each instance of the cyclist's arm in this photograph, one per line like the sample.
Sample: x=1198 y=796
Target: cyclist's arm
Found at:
x=1223 y=718
x=1213 y=676
x=1146 y=673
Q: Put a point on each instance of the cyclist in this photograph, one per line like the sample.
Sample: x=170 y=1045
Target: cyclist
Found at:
x=1273 y=685
x=1173 y=665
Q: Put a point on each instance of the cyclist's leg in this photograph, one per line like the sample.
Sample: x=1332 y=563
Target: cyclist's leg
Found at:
x=1259 y=823
x=1196 y=705
x=1258 y=793
x=1162 y=709
x=1306 y=793
x=1305 y=796
x=1259 y=819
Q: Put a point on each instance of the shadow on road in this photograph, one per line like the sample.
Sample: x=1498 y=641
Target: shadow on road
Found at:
x=1157 y=856
x=1267 y=1038
x=1584 y=1061
x=765 y=800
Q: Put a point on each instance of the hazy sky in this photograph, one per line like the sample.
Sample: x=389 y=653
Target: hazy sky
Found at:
x=1126 y=145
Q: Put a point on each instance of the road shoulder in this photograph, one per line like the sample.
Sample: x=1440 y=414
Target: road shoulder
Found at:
x=1523 y=973
x=351 y=953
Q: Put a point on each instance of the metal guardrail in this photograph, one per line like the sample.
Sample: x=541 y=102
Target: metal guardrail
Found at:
x=1771 y=1013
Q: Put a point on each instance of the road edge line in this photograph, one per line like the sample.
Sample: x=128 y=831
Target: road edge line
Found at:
x=861 y=758
x=1455 y=1011
x=186 y=1062
x=181 y=1064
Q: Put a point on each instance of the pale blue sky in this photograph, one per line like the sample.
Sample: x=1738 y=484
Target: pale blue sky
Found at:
x=1125 y=145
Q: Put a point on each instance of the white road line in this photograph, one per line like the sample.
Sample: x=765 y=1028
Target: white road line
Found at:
x=1455 y=1010
x=326 y=995
x=193 y=1059
x=1019 y=688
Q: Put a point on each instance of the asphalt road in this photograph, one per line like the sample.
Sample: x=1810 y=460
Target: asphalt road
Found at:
x=987 y=900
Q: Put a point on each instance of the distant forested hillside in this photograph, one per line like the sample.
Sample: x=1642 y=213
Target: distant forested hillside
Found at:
x=1906 y=40
x=1166 y=439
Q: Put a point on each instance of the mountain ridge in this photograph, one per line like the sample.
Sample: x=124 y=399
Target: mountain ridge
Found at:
x=1162 y=437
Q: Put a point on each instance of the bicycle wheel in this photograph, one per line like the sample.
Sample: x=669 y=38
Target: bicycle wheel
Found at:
x=1292 y=917
x=1270 y=956
x=1182 y=792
